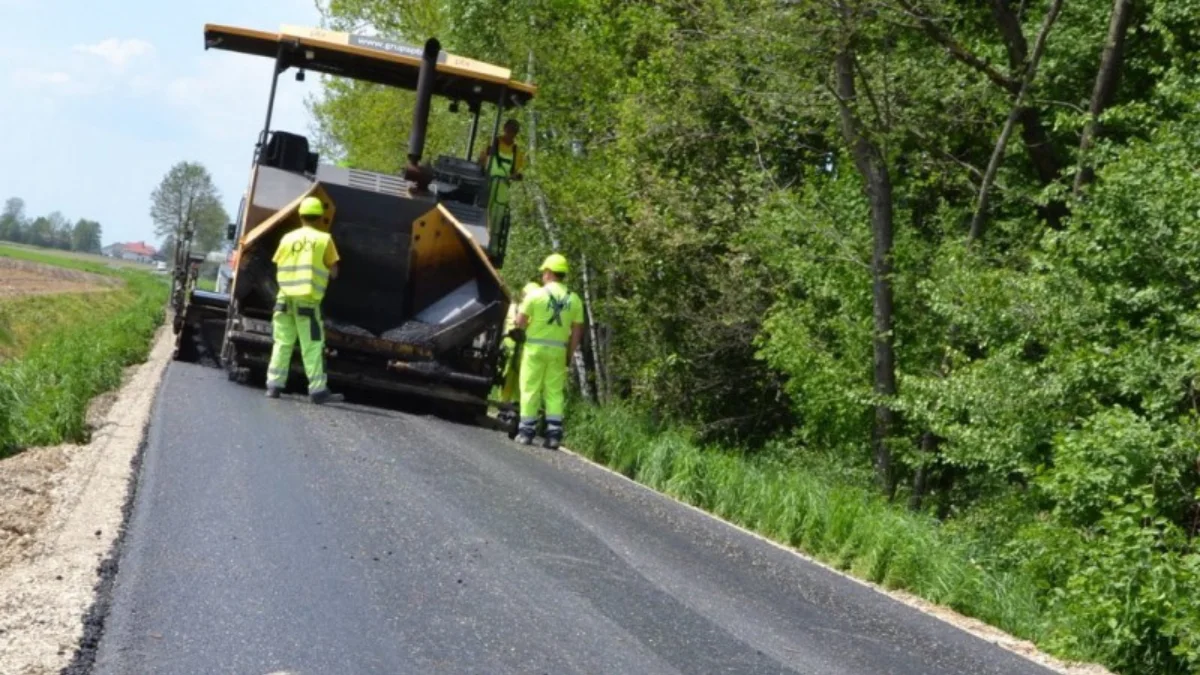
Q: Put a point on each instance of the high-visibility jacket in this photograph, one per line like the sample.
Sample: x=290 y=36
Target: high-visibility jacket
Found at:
x=505 y=159
x=302 y=263
x=552 y=311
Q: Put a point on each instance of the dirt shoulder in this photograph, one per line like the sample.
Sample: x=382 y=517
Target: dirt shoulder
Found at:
x=60 y=515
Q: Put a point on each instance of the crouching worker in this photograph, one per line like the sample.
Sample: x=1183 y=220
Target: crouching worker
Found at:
x=551 y=321
x=305 y=262
x=509 y=390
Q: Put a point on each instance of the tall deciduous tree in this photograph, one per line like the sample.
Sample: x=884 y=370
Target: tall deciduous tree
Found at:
x=60 y=231
x=85 y=236
x=41 y=232
x=12 y=220
x=186 y=203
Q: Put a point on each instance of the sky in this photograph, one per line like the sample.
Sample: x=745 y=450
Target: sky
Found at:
x=102 y=98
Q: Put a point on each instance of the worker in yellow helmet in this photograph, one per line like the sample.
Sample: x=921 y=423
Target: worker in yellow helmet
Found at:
x=508 y=391
x=305 y=262
x=551 y=321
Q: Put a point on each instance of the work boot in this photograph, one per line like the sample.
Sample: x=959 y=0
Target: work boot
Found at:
x=272 y=392
x=325 y=396
x=554 y=434
x=525 y=433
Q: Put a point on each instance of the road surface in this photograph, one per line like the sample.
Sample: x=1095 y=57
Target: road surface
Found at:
x=280 y=537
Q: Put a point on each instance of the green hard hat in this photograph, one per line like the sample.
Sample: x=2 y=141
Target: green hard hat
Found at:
x=557 y=263
x=311 y=206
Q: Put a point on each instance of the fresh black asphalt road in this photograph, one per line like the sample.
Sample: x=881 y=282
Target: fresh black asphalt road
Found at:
x=281 y=537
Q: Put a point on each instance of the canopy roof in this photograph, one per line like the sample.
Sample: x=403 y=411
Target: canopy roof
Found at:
x=374 y=59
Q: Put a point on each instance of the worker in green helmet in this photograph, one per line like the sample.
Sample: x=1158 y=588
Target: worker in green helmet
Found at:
x=551 y=323
x=305 y=262
x=508 y=391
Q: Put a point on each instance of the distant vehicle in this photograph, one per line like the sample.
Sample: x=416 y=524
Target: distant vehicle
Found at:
x=160 y=266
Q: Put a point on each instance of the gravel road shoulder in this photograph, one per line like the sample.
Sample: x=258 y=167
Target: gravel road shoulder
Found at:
x=61 y=512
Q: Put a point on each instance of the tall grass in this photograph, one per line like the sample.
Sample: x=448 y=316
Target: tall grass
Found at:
x=844 y=526
x=44 y=394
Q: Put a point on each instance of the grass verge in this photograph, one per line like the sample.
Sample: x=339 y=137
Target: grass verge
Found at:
x=843 y=526
x=76 y=352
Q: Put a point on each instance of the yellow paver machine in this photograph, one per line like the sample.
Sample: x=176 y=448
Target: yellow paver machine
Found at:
x=418 y=307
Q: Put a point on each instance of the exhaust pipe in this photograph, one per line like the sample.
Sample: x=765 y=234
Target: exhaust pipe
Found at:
x=416 y=138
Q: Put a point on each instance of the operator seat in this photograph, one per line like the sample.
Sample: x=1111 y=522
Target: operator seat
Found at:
x=289 y=152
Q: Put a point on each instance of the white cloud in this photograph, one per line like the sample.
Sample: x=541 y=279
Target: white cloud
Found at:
x=29 y=76
x=118 y=53
x=53 y=81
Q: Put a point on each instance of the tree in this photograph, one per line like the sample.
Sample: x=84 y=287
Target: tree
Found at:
x=60 y=231
x=871 y=162
x=186 y=203
x=12 y=220
x=85 y=237
x=40 y=232
x=1107 y=77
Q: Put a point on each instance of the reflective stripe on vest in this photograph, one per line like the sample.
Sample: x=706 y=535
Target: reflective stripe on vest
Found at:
x=546 y=343
x=301 y=271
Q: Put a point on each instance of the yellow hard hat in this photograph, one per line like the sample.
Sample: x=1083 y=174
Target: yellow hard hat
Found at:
x=530 y=288
x=311 y=206
x=557 y=263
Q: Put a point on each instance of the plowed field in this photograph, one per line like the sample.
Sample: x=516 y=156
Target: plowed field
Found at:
x=20 y=278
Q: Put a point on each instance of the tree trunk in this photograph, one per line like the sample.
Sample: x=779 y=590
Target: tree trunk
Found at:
x=980 y=219
x=1042 y=154
x=1106 y=85
x=598 y=366
x=929 y=448
x=1045 y=160
x=869 y=160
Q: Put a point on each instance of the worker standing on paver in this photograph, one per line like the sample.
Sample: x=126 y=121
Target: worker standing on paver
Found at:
x=305 y=262
x=509 y=390
x=551 y=321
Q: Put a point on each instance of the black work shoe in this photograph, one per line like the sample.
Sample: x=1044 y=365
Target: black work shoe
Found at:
x=325 y=396
x=551 y=443
x=525 y=439
x=272 y=392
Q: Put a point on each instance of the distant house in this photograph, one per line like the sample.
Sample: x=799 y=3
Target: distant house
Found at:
x=138 y=251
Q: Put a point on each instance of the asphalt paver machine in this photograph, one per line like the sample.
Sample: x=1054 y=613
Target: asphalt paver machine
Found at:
x=419 y=306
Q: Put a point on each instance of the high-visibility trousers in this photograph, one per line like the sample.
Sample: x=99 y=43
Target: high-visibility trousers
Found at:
x=543 y=382
x=509 y=390
x=298 y=320
x=498 y=197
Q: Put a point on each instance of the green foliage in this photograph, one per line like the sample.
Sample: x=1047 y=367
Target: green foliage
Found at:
x=85 y=236
x=187 y=203
x=51 y=231
x=45 y=393
x=1047 y=369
